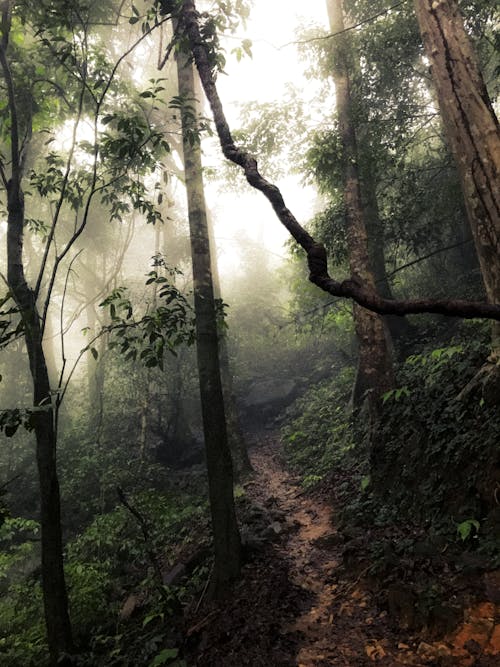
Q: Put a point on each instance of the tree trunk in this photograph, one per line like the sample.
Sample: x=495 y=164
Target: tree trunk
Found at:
x=374 y=372
x=237 y=442
x=53 y=583
x=398 y=327
x=96 y=370
x=472 y=130
x=227 y=546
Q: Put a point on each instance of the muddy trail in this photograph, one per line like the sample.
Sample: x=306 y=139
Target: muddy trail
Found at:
x=298 y=606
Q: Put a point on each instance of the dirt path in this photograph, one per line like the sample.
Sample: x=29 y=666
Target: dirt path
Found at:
x=298 y=607
x=311 y=568
x=339 y=625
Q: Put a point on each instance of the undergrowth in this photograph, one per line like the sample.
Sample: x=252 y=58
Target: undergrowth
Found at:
x=421 y=491
x=114 y=558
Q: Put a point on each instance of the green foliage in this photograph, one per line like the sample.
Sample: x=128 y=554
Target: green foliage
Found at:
x=162 y=329
x=194 y=126
x=11 y=420
x=319 y=436
x=103 y=562
x=11 y=328
x=439 y=446
x=165 y=657
x=14 y=549
x=22 y=630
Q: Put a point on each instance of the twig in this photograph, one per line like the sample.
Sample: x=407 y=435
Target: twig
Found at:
x=204 y=591
x=201 y=624
x=351 y=27
x=146 y=537
x=9 y=481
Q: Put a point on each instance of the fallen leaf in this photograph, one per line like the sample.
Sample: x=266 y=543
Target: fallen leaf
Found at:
x=375 y=651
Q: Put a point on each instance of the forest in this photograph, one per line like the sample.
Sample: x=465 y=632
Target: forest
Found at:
x=249 y=333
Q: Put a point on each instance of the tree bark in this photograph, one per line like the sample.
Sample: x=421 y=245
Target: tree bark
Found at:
x=472 y=130
x=374 y=372
x=227 y=547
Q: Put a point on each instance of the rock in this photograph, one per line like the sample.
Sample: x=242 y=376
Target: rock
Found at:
x=328 y=541
x=401 y=601
x=271 y=534
x=277 y=527
x=266 y=398
x=131 y=604
x=492 y=585
x=443 y=618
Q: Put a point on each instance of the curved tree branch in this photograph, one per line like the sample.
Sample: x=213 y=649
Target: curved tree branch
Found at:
x=352 y=288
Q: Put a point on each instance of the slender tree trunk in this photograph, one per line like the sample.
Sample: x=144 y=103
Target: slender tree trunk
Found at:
x=53 y=584
x=227 y=547
x=237 y=442
x=374 y=372
x=55 y=599
x=473 y=132
x=96 y=369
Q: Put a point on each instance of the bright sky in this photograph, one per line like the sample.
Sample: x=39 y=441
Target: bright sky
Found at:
x=272 y=24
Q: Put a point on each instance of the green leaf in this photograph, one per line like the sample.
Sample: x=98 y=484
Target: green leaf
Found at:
x=464 y=529
x=152 y=617
x=164 y=656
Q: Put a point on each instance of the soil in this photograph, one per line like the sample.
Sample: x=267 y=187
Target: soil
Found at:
x=297 y=605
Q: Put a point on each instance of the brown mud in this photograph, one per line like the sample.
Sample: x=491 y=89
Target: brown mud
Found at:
x=297 y=606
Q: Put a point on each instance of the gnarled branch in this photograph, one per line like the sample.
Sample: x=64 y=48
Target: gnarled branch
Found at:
x=352 y=288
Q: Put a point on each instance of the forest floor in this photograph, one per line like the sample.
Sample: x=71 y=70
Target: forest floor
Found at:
x=298 y=606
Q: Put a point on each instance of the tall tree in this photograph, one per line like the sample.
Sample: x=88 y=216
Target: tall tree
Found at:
x=54 y=74
x=236 y=438
x=55 y=597
x=226 y=536
x=472 y=130
x=374 y=371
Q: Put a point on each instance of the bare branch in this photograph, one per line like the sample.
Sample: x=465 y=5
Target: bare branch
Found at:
x=369 y=19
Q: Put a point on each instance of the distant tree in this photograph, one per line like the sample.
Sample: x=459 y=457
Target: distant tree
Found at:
x=374 y=372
